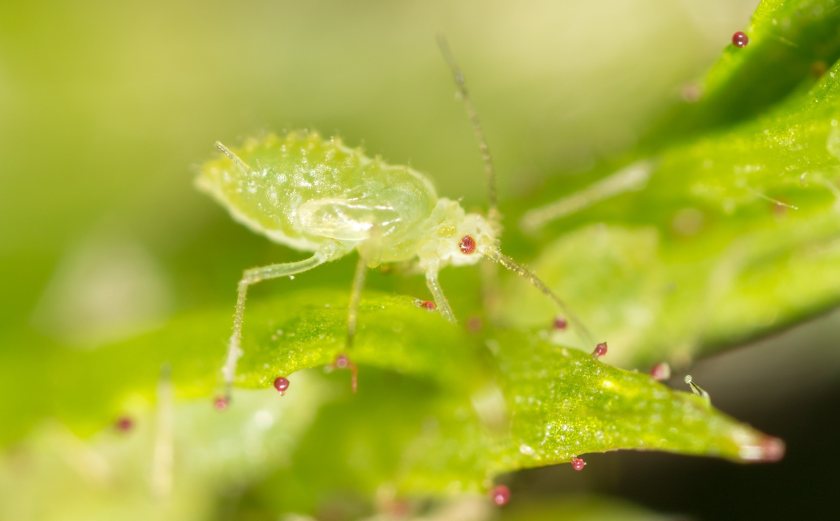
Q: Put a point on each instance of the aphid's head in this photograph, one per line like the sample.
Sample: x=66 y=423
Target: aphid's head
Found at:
x=456 y=237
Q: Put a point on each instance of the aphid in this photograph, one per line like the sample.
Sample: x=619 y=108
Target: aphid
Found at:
x=318 y=195
x=578 y=464
x=281 y=383
x=740 y=39
x=500 y=495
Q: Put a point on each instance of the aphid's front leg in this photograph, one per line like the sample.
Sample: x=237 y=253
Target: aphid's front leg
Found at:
x=249 y=277
x=437 y=293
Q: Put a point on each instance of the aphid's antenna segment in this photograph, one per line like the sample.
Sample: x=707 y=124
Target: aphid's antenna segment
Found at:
x=493 y=202
x=535 y=281
x=233 y=157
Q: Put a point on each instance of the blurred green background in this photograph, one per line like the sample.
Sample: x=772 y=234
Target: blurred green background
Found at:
x=106 y=109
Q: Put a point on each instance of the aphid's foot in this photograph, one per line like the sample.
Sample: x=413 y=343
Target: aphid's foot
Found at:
x=281 y=383
x=220 y=403
x=343 y=362
x=660 y=372
x=500 y=495
x=578 y=464
x=600 y=350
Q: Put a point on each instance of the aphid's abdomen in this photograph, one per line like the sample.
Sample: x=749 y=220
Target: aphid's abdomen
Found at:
x=304 y=191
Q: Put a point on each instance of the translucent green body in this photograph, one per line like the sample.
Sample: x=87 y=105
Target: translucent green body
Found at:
x=318 y=195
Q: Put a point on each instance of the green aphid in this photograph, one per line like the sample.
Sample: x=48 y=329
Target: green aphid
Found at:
x=318 y=195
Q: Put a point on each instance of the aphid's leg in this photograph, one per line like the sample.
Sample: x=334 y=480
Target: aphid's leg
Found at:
x=355 y=296
x=249 y=277
x=437 y=293
x=631 y=177
x=535 y=281
x=162 y=456
x=342 y=361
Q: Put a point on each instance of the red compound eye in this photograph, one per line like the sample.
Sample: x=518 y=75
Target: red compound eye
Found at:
x=578 y=464
x=740 y=39
x=467 y=245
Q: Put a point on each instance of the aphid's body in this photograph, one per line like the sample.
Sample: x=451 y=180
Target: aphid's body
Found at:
x=318 y=195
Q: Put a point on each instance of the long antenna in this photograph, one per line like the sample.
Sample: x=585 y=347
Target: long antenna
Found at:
x=535 y=281
x=493 y=200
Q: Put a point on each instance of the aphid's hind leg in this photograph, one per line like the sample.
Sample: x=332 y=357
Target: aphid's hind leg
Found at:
x=342 y=361
x=249 y=277
x=437 y=293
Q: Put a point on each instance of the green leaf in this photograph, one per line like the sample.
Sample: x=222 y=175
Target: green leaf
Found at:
x=435 y=412
x=791 y=45
x=547 y=405
x=732 y=235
